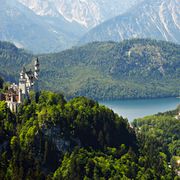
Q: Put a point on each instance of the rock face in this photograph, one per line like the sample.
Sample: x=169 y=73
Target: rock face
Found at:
x=54 y=135
x=53 y=25
x=156 y=19
x=88 y=13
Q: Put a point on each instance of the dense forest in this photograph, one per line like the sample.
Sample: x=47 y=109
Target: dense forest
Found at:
x=12 y=59
x=52 y=138
x=103 y=70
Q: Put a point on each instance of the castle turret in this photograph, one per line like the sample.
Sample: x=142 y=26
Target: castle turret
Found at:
x=22 y=81
x=12 y=99
x=36 y=68
x=36 y=75
x=28 y=81
x=20 y=96
x=22 y=73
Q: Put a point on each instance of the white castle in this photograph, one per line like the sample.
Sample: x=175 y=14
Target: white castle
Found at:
x=28 y=81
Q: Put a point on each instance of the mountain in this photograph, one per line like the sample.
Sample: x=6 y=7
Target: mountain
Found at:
x=87 y=13
x=51 y=26
x=107 y=70
x=156 y=19
x=23 y=27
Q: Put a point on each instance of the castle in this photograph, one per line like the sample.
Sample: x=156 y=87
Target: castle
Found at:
x=16 y=94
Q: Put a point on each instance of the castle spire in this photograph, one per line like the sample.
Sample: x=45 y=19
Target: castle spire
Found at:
x=22 y=73
x=36 y=74
x=36 y=68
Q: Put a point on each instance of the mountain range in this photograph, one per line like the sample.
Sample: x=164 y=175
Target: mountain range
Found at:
x=20 y=25
x=44 y=26
x=103 y=70
x=87 y=13
x=155 y=19
x=50 y=26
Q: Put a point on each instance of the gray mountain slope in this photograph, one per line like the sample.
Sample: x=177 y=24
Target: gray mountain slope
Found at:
x=20 y=25
x=88 y=13
x=156 y=19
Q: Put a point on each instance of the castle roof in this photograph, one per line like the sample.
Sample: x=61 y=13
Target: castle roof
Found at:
x=30 y=74
x=36 y=62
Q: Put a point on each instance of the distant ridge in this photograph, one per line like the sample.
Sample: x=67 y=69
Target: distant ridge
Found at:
x=44 y=26
x=138 y=68
x=155 y=19
x=20 y=25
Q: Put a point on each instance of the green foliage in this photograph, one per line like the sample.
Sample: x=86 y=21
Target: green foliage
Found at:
x=47 y=126
x=51 y=138
x=7 y=121
x=159 y=135
x=163 y=128
x=3 y=109
x=103 y=126
x=83 y=164
x=14 y=142
x=27 y=134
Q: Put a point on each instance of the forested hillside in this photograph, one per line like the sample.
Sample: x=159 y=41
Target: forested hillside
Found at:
x=162 y=131
x=51 y=138
x=163 y=127
x=12 y=60
x=106 y=70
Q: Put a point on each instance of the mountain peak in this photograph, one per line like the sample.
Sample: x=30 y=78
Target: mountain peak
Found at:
x=151 y=19
x=87 y=13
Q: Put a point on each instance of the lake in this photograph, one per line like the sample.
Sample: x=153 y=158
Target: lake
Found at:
x=132 y=109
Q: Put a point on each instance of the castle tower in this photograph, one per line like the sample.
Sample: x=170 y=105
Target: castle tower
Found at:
x=20 y=96
x=28 y=81
x=22 y=81
x=36 y=68
x=36 y=75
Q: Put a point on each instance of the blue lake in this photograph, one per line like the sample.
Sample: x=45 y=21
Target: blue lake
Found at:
x=132 y=109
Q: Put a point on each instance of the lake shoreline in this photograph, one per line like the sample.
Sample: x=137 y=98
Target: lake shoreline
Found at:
x=141 y=98
x=138 y=108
